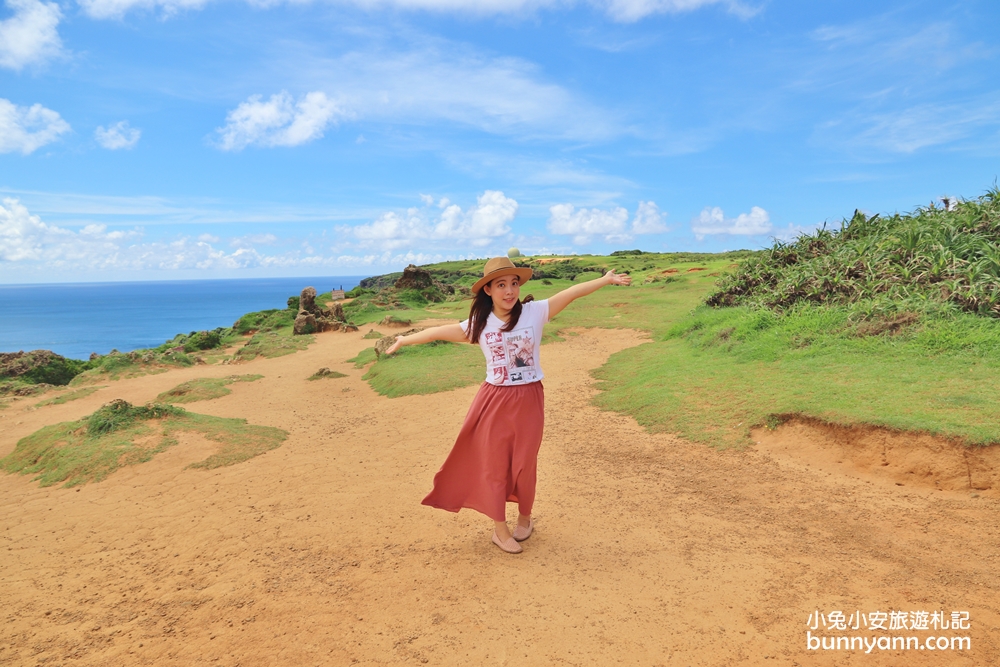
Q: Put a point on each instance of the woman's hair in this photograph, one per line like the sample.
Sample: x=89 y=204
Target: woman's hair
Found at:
x=479 y=312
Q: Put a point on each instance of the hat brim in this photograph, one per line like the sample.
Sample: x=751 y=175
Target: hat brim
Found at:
x=523 y=273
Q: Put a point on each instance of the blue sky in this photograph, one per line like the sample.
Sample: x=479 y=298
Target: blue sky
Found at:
x=169 y=139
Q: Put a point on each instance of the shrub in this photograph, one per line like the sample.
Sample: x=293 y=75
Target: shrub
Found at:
x=930 y=258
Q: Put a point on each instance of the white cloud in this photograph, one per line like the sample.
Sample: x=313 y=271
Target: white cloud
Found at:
x=30 y=35
x=117 y=136
x=25 y=238
x=916 y=128
x=713 y=221
x=478 y=225
x=587 y=222
x=612 y=224
x=26 y=129
x=253 y=240
x=634 y=10
x=486 y=220
x=280 y=121
x=648 y=219
x=619 y=10
x=506 y=96
x=114 y=9
x=208 y=238
x=28 y=242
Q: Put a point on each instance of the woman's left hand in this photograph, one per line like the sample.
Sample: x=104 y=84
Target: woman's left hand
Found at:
x=619 y=279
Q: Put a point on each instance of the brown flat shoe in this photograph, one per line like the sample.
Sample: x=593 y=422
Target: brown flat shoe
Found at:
x=521 y=533
x=509 y=545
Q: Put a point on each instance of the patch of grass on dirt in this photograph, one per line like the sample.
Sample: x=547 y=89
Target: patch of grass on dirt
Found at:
x=372 y=334
x=23 y=389
x=267 y=320
x=120 y=366
x=426 y=369
x=203 y=389
x=120 y=434
x=326 y=374
x=270 y=344
x=365 y=357
x=718 y=373
x=70 y=396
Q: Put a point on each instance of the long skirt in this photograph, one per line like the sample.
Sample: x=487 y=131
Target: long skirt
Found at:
x=495 y=456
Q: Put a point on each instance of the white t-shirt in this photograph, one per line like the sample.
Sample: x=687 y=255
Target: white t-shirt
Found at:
x=512 y=357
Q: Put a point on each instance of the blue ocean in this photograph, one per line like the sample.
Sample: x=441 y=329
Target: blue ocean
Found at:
x=75 y=319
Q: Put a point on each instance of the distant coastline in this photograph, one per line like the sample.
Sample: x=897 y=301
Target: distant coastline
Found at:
x=76 y=319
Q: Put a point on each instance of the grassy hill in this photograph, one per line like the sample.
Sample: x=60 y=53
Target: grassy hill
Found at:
x=888 y=320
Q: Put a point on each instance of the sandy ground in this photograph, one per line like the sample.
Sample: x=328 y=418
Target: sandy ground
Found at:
x=648 y=550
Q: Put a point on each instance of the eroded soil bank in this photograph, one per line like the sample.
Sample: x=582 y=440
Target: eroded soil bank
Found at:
x=648 y=550
x=915 y=460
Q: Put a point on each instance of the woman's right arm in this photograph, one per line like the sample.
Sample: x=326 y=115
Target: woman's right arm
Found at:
x=453 y=333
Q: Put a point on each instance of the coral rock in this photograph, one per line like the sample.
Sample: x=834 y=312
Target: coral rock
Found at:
x=414 y=278
x=385 y=342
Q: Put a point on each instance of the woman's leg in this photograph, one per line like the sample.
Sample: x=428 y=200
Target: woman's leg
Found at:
x=503 y=532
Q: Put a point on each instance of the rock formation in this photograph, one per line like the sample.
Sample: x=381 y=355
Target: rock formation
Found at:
x=313 y=319
x=385 y=342
x=414 y=278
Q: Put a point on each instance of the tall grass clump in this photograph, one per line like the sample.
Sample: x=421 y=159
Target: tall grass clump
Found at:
x=934 y=258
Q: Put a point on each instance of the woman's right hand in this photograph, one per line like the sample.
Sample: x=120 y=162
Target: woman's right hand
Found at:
x=394 y=348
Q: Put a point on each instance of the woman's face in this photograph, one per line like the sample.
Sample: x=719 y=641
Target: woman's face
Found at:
x=505 y=291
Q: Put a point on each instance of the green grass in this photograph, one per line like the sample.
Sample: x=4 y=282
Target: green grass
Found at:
x=119 y=434
x=718 y=373
x=114 y=367
x=365 y=357
x=266 y=320
x=203 y=389
x=711 y=374
x=326 y=374
x=372 y=334
x=270 y=344
x=426 y=369
x=70 y=396
x=437 y=367
x=23 y=389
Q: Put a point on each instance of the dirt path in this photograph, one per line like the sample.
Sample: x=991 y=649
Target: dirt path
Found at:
x=648 y=551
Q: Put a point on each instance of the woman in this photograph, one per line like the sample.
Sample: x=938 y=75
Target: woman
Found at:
x=496 y=453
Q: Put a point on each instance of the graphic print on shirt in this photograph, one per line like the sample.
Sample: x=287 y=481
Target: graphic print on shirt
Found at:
x=520 y=349
x=512 y=356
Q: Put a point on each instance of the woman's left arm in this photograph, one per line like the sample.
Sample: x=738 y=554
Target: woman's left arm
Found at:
x=559 y=301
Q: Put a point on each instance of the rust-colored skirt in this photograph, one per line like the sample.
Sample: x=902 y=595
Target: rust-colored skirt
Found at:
x=495 y=457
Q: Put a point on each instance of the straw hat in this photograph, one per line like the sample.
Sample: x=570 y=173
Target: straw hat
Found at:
x=501 y=266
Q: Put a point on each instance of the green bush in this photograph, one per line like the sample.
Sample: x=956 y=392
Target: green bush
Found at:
x=204 y=340
x=264 y=320
x=120 y=414
x=59 y=371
